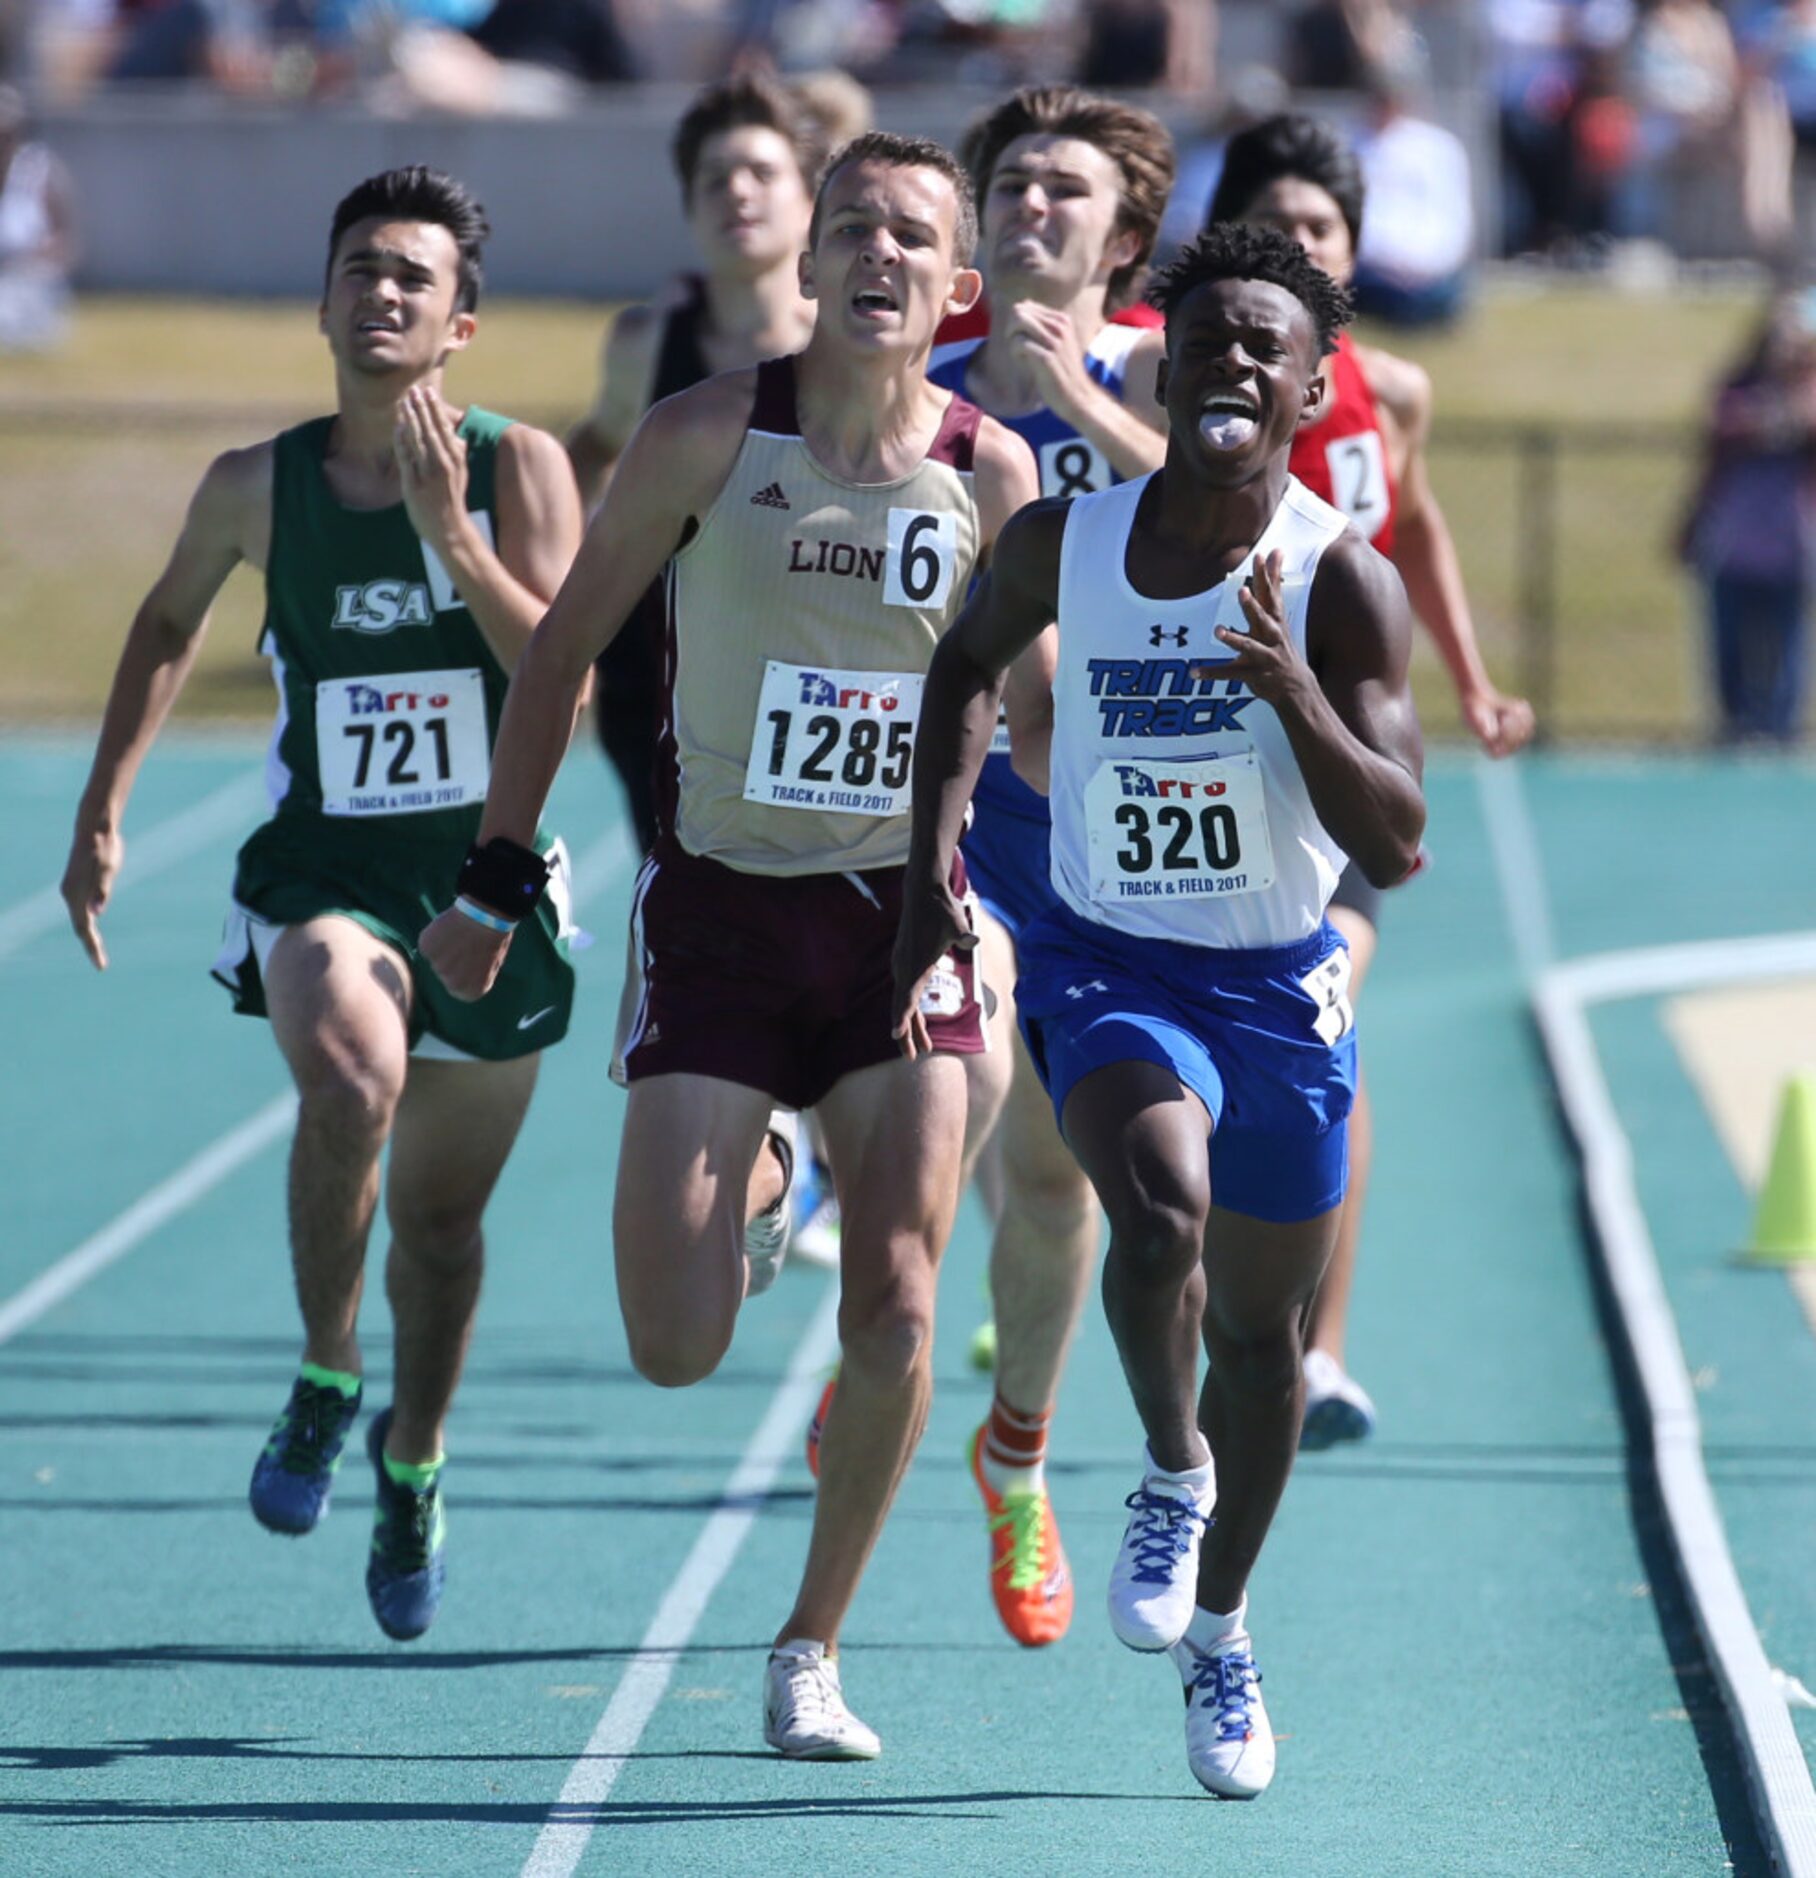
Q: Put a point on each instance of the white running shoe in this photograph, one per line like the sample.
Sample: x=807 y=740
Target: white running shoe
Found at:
x=804 y=1712
x=1154 y=1582
x=1337 y=1407
x=766 y=1236
x=816 y=1239
x=1229 y=1742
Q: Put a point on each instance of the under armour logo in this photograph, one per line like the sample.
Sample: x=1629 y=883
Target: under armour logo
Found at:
x=1078 y=991
x=1158 y=634
x=770 y=498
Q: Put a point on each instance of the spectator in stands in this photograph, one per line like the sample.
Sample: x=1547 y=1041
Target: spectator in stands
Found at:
x=580 y=38
x=1250 y=94
x=37 y=234
x=1333 y=45
x=1779 y=44
x=1750 y=532
x=1683 y=77
x=1546 y=56
x=1130 y=44
x=1412 y=261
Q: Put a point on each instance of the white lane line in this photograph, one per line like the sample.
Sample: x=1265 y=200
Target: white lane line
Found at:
x=1515 y=847
x=593 y=873
x=228 y=809
x=1784 y=1800
x=145 y=1216
x=562 y=1843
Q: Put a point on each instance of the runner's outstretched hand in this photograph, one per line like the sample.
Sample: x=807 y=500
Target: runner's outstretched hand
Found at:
x=94 y=864
x=934 y=922
x=1266 y=659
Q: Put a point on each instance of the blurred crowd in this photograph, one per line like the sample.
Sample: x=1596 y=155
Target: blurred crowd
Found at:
x=1617 y=121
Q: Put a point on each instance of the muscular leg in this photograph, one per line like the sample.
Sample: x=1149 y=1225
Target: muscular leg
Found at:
x=1330 y=1308
x=895 y=1133
x=339 y=1000
x=1259 y=1277
x=1044 y=1249
x=1141 y=1137
x=689 y=1176
x=989 y=1077
x=455 y=1128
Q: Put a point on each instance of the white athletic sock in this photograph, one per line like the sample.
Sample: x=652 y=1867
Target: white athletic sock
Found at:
x=1200 y=1482
x=1009 y=1481
x=1210 y=1630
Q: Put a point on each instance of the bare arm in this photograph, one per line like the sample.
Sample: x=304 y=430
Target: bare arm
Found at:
x=1130 y=430
x=228 y=522
x=1346 y=707
x=627 y=373
x=676 y=464
x=1006 y=613
x=1426 y=557
x=1028 y=706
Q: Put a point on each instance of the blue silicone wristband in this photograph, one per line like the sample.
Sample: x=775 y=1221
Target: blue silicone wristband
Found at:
x=482 y=916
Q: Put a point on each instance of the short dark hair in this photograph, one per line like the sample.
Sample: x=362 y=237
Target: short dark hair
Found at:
x=749 y=99
x=419 y=194
x=907 y=153
x=1136 y=141
x=1243 y=251
x=1289 y=144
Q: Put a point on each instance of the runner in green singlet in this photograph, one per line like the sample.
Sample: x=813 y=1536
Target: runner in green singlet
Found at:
x=408 y=551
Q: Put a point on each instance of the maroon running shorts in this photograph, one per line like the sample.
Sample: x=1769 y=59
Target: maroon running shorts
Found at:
x=780 y=983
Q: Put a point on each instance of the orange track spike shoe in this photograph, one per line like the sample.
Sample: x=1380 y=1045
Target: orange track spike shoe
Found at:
x=1029 y=1577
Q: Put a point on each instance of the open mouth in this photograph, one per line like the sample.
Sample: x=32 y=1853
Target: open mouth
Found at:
x=1227 y=421
x=376 y=326
x=873 y=302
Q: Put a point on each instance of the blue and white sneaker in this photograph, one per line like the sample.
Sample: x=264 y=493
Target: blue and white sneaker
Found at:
x=1229 y=1742
x=294 y=1474
x=1337 y=1407
x=404 y=1572
x=1154 y=1582
x=766 y=1236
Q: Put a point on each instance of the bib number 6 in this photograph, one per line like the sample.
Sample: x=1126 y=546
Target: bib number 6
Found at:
x=923 y=551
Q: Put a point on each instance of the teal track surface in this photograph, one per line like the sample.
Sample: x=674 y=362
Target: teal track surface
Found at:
x=1475 y=1651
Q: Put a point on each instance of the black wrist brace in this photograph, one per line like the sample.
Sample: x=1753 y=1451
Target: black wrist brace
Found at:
x=505 y=876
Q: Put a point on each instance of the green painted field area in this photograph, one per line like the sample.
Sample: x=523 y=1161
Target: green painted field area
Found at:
x=102 y=444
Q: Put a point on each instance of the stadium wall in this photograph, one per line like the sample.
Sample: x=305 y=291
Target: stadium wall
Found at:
x=188 y=193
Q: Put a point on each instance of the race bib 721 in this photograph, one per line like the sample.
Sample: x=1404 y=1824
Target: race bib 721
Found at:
x=399 y=743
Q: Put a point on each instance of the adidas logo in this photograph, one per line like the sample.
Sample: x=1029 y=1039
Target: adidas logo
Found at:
x=771 y=498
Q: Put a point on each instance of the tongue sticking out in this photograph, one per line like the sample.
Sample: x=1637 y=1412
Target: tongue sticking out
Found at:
x=1224 y=430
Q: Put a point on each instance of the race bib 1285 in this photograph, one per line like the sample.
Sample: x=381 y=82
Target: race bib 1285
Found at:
x=833 y=739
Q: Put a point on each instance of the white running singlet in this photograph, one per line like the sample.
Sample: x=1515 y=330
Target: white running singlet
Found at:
x=1178 y=808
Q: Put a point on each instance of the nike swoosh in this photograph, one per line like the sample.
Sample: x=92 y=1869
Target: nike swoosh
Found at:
x=535 y=1017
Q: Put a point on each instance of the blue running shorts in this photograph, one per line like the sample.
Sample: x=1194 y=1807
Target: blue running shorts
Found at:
x=1265 y=1039
x=1005 y=848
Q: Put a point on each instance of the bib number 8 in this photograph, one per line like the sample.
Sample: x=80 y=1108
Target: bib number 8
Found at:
x=1218 y=838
